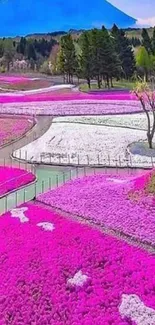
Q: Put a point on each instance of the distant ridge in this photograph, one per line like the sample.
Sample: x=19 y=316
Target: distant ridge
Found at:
x=27 y=17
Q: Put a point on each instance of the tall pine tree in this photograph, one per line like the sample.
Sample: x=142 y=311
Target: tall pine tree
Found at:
x=153 y=41
x=21 y=47
x=146 y=41
x=125 y=52
x=86 y=57
x=68 y=57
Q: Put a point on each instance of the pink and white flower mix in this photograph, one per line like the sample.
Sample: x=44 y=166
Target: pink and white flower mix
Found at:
x=72 y=275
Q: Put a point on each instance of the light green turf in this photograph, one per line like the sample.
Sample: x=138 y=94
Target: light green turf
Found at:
x=122 y=84
x=46 y=179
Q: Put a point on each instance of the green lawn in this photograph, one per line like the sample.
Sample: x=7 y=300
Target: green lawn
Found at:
x=122 y=84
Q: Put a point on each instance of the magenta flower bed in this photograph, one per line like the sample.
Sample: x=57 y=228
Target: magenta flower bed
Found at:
x=12 y=128
x=38 y=269
x=66 y=96
x=13 y=79
x=13 y=178
x=109 y=201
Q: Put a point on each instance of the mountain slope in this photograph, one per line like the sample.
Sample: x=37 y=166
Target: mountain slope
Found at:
x=19 y=17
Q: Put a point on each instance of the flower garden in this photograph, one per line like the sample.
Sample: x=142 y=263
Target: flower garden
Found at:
x=12 y=128
x=70 y=273
x=13 y=178
x=81 y=253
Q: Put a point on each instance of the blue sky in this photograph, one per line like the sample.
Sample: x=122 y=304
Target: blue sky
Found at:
x=20 y=17
x=143 y=10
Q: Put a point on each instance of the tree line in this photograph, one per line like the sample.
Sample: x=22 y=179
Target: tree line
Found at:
x=102 y=55
x=33 y=50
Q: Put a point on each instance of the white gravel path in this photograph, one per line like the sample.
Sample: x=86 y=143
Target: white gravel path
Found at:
x=37 y=91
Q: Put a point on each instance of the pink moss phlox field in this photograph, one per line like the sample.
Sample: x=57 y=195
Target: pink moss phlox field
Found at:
x=37 y=264
x=13 y=79
x=115 y=202
x=66 y=96
x=13 y=178
x=11 y=128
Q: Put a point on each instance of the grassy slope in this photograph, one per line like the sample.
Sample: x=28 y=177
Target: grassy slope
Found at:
x=117 y=84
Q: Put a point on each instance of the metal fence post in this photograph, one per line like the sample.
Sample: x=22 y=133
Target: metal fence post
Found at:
x=78 y=160
x=35 y=190
x=120 y=161
x=57 y=180
x=42 y=189
x=63 y=177
x=98 y=157
x=88 y=160
x=130 y=161
x=24 y=195
x=116 y=166
x=6 y=204
x=16 y=198
x=49 y=183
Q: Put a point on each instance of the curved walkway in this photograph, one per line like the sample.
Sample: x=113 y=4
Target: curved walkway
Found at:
x=42 y=125
x=35 y=91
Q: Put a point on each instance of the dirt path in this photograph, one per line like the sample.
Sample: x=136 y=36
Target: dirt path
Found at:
x=42 y=125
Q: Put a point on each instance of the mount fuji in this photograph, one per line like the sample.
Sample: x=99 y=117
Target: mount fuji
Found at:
x=20 y=17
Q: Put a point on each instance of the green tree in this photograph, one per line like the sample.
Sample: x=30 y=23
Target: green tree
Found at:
x=145 y=94
x=153 y=41
x=143 y=61
x=60 y=62
x=146 y=41
x=30 y=51
x=45 y=68
x=9 y=52
x=105 y=61
x=21 y=47
x=125 y=52
x=97 y=55
x=67 y=57
x=110 y=62
x=1 y=48
x=86 y=57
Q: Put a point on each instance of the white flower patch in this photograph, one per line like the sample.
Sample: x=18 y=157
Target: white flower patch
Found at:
x=48 y=226
x=79 y=279
x=134 y=309
x=19 y=213
x=78 y=144
x=135 y=121
x=117 y=181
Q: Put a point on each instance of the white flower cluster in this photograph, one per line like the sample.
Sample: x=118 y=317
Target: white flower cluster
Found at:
x=80 y=144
